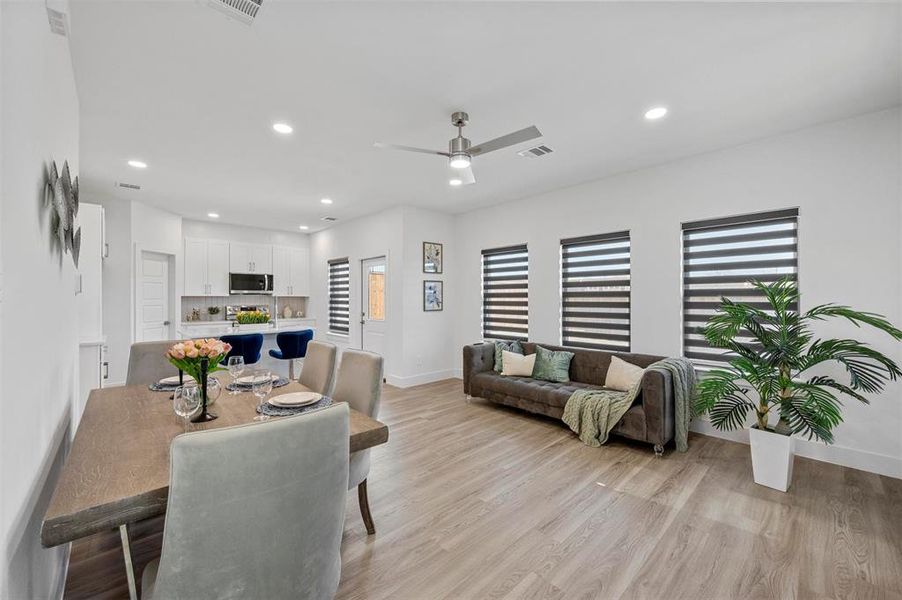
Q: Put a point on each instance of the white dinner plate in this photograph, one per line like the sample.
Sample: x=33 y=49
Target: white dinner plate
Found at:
x=295 y=399
x=174 y=380
x=250 y=379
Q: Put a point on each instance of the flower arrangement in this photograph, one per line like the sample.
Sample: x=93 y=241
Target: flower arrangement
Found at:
x=189 y=354
x=252 y=317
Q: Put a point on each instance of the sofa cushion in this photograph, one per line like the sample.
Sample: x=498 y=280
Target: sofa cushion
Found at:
x=591 y=366
x=533 y=390
x=622 y=375
x=552 y=365
x=513 y=363
x=502 y=346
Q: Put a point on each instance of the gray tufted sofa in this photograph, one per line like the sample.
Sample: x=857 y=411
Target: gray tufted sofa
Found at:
x=650 y=418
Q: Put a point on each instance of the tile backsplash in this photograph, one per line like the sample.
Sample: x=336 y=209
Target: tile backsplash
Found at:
x=276 y=305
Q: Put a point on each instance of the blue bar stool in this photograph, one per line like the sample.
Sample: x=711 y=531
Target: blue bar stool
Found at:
x=292 y=345
x=247 y=345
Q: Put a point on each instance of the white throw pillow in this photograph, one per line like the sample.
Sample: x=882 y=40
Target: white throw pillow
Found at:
x=622 y=376
x=517 y=364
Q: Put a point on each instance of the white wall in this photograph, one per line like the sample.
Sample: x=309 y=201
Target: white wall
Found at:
x=366 y=237
x=247 y=235
x=428 y=352
x=844 y=177
x=39 y=319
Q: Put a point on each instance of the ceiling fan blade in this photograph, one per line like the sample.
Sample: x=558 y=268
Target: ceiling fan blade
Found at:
x=529 y=133
x=409 y=149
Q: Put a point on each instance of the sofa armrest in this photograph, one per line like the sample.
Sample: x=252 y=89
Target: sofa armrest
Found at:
x=657 y=402
x=478 y=358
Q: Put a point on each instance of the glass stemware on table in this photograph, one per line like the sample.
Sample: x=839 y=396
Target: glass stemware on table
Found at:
x=186 y=400
x=236 y=368
x=262 y=386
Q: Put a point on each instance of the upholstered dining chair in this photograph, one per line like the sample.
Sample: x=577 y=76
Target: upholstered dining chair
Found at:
x=318 y=369
x=147 y=362
x=255 y=511
x=359 y=383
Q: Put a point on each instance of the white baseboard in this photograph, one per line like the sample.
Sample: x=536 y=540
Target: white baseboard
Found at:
x=420 y=379
x=881 y=464
x=457 y=373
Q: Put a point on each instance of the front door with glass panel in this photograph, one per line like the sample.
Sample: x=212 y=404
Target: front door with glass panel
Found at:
x=372 y=305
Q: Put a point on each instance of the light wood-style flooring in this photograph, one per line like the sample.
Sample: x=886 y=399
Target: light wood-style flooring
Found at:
x=475 y=500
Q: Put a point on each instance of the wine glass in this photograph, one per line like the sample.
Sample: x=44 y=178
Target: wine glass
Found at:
x=186 y=401
x=262 y=386
x=236 y=368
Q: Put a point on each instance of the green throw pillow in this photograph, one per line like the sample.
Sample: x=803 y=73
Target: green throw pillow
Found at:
x=502 y=346
x=552 y=365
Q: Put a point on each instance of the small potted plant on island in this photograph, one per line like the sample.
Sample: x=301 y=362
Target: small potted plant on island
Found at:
x=775 y=353
x=253 y=320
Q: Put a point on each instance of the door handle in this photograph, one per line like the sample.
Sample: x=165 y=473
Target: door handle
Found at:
x=165 y=322
x=106 y=370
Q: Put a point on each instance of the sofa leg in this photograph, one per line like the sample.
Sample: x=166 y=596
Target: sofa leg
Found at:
x=469 y=397
x=659 y=450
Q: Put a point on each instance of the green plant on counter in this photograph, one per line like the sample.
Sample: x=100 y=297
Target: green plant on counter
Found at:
x=253 y=317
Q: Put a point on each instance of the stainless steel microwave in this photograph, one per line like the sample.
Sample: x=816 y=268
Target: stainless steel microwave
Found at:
x=250 y=283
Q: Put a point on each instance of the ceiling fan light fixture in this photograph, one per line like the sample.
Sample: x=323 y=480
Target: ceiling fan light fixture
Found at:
x=460 y=160
x=455 y=182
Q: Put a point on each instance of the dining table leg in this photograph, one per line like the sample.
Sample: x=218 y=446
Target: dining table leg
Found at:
x=129 y=566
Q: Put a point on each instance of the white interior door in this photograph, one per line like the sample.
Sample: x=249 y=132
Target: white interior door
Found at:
x=373 y=305
x=153 y=298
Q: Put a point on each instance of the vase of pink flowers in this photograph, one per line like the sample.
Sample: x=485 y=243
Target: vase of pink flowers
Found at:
x=199 y=358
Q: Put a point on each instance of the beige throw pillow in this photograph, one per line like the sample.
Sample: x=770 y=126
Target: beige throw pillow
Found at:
x=622 y=375
x=517 y=364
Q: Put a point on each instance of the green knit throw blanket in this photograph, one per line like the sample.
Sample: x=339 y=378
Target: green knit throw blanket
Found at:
x=592 y=414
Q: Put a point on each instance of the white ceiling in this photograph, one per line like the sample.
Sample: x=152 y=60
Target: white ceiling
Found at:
x=194 y=94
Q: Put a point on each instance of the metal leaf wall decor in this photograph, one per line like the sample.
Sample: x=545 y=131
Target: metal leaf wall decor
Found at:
x=64 y=200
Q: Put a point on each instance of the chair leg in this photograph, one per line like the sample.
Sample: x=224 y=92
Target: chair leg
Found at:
x=291 y=369
x=365 y=508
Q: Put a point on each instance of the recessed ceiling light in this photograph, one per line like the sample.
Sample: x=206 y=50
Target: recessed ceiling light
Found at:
x=455 y=182
x=283 y=128
x=303 y=227
x=655 y=113
x=326 y=200
x=138 y=164
x=213 y=215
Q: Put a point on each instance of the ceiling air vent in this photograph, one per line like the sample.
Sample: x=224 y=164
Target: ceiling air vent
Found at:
x=240 y=10
x=536 y=152
x=128 y=186
x=58 y=22
x=330 y=219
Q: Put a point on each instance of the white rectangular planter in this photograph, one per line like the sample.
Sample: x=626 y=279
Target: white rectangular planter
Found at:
x=772 y=458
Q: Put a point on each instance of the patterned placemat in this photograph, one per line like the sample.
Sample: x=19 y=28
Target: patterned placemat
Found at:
x=248 y=387
x=278 y=411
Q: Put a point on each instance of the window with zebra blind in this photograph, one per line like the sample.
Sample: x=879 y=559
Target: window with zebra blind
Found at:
x=505 y=293
x=339 y=295
x=721 y=257
x=595 y=291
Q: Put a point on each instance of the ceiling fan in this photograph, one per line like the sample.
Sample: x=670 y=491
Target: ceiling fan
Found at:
x=460 y=151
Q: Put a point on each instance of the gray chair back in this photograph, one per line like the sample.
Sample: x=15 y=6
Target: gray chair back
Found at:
x=257 y=511
x=359 y=383
x=147 y=363
x=318 y=370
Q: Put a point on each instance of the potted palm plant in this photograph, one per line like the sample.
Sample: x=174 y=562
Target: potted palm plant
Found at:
x=772 y=373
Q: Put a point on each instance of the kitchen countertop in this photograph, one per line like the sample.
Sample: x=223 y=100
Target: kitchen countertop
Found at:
x=217 y=328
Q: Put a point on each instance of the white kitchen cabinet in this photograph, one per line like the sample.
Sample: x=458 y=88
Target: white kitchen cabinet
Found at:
x=280 y=271
x=196 y=267
x=291 y=271
x=218 y=267
x=299 y=272
x=93 y=371
x=206 y=267
x=90 y=272
x=250 y=258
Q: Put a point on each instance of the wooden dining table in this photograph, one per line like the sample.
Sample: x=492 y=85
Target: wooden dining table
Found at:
x=117 y=471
